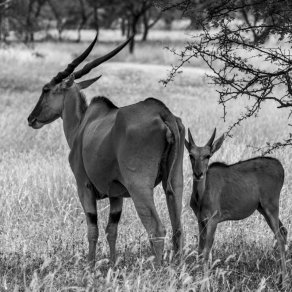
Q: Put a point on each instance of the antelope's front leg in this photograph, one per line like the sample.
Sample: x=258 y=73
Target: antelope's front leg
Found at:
x=211 y=226
x=202 y=237
x=88 y=201
x=116 y=205
x=210 y=232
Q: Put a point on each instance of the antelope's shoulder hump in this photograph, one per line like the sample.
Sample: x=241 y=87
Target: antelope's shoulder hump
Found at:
x=104 y=100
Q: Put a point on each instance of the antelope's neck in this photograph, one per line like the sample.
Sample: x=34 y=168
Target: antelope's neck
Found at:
x=199 y=187
x=72 y=115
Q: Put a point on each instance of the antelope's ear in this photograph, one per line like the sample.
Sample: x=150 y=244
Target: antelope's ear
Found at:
x=217 y=144
x=188 y=145
x=86 y=83
x=191 y=140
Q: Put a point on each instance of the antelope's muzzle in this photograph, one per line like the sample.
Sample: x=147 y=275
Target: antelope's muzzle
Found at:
x=198 y=176
x=31 y=120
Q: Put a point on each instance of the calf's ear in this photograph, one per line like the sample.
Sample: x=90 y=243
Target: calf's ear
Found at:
x=191 y=140
x=217 y=144
x=188 y=145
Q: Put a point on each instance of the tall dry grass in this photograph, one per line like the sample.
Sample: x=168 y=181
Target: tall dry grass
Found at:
x=43 y=242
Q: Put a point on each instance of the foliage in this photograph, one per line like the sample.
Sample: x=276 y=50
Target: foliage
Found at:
x=26 y=17
x=247 y=46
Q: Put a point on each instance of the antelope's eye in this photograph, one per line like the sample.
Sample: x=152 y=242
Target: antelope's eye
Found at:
x=46 y=89
x=208 y=156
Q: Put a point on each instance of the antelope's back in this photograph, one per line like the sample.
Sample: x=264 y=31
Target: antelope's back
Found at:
x=264 y=168
x=260 y=174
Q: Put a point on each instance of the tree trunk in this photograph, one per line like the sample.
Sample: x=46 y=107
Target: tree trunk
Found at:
x=96 y=20
x=168 y=22
x=80 y=27
x=145 y=27
x=123 y=26
x=31 y=37
x=134 y=23
x=60 y=30
x=1 y=26
x=28 y=29
x=145 y=34
x=79 y=34
x=47 y=31
x=83 y=20
x=128 y=27
x=132 y=45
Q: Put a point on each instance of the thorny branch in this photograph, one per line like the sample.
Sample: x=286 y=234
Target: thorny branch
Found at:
x=233 y=44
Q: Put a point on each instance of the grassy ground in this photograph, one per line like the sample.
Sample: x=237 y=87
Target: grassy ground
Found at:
x=43 y=242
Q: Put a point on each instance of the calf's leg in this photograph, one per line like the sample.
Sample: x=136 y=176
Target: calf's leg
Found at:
x=272 y=215
x=211 y=226
x=202 y=236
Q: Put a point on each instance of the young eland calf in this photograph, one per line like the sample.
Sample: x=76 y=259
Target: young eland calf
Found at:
x=224 y=192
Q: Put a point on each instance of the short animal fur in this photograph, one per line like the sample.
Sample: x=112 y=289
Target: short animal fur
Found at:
x=233 y=192
x=116 y=153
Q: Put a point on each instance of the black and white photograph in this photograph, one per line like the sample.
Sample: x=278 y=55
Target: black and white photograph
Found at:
x=145 y=145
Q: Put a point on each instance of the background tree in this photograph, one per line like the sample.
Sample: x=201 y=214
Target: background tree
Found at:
x=133 y=11
x=169 y=16
x=95 y=6
x=233 y=44
x=149 y=19
x=4 y=25
x=80 y=14
x=104 y=13
x=23 y=17
x=63 y=12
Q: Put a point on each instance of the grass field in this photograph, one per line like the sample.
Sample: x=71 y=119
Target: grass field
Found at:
x=43 y=241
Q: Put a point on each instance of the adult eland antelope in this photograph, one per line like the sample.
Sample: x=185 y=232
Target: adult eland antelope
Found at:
x=117 y=153
x=233 y=192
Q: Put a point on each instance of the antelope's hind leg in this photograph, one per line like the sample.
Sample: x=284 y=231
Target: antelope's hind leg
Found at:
x=174 y=205
x=116 y=205
x=174 y=200
x=283 y=231
x=271 y=214
x=144 y=203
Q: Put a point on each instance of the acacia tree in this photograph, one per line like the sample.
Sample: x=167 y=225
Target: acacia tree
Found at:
x=95 y=6
x=63 y=13
x=233 y=45
x=84 y=14
x=4 y=26
x=135 y=9
x=133 y=12
x=149 y=19
x=23 y=17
